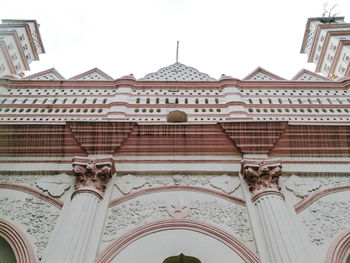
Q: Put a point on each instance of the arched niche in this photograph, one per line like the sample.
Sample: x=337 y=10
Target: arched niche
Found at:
x=20 y=247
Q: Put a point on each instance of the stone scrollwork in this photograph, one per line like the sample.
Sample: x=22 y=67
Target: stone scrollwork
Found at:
x=55 y=185
x=178 y=210
x=92 y=174
x=261 y=175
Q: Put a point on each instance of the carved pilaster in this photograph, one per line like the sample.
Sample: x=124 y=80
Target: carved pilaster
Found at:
x=92 y=175
x=262 y=176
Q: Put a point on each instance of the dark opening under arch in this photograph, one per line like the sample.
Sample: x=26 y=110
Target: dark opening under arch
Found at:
x=181 y=259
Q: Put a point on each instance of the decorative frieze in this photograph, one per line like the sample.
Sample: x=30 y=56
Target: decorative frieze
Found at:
x=92 y=174
x=262 y=176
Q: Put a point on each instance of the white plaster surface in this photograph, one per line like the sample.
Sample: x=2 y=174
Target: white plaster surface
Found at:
x=158 y=246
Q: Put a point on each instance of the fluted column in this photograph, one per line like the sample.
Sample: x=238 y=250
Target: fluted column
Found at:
x=279 y=239
x=71 y=242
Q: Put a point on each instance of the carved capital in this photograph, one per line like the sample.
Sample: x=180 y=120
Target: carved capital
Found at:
x=92 y=174
x=262 y=175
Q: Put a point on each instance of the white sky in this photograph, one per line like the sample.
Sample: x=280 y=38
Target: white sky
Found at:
x=139 y=36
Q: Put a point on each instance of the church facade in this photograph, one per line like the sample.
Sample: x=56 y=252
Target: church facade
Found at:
x=174 y=167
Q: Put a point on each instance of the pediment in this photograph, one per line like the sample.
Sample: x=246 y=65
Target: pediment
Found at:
x=50 y=74
x=93 y=74
x=307 y=75
x=260 y=74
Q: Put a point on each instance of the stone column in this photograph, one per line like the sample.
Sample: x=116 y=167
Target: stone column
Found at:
x=279 y=238
x=71 y=241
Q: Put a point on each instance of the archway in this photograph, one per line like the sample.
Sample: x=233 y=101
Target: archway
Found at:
x=20 y=247
x=130 y=241
x=6 y=252
x=339 y=251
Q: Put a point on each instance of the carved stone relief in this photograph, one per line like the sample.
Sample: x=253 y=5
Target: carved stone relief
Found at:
x=55 y=185
x=34 y=215
x=303 y=186
x=224 y=183
x=325 y=219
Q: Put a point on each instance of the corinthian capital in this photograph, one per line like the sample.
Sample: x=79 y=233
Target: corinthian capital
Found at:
x=92 y=174
x=261 y=175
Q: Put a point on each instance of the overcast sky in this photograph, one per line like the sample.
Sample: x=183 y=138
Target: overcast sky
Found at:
x=139 y=36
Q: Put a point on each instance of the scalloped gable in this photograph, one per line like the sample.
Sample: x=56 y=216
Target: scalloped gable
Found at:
x=177 y=72
x=50 y=74
x=260 y=74
x=307 y=75
x=93 y=74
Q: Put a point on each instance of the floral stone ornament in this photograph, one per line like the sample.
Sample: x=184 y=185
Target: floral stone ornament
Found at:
x=262 y=176
x=92 y=174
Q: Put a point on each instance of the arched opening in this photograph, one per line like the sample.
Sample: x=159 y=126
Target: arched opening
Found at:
x=14 y=244
x=339 y=251
x=181 y=259
x=6 y=253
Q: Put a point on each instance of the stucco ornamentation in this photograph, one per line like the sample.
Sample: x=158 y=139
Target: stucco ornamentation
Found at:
x=225 y=183
x=55 y=185
x=126 y=216
x=27 y=180
x=325 y=219
x=129 y=182
x=35 y=216
x=178 y=210
x=261 y=175
x=303 y=186
x=92 y=174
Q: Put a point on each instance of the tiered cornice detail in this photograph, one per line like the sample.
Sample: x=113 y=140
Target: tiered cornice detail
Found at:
x=262 y=176
x=92 y=174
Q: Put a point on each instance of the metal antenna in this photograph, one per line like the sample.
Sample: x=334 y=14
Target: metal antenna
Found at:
x=177 y=52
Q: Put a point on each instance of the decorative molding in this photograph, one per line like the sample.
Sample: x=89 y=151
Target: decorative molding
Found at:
x=230 y=198
x=137 y=212
x=92 y=174
x=261 y=175
x=162 y=225
x=339 y=250
x=130 y=183
x=53 y=201
x=55 y=185
x=317 y=195
x=20 y=245
x=37 y=218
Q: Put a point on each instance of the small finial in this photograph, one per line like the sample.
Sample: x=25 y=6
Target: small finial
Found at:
x=177 y=52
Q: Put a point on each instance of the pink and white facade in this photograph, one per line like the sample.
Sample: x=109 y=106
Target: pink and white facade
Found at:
x=96 y=169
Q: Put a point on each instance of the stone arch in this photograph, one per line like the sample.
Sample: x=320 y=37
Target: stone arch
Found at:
x=177 y=116
x=20 y=245
x=185 y=224
x=339 y=251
